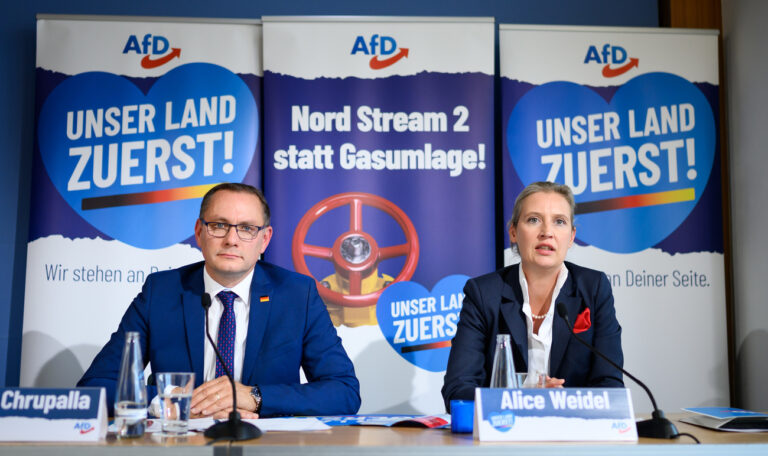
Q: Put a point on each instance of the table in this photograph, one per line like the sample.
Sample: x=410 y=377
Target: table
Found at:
x=370 y=440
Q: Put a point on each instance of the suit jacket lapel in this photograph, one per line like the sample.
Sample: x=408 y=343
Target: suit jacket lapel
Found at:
x=261 y=286
x=510 y=310
x=561 y=336
x=194 y=322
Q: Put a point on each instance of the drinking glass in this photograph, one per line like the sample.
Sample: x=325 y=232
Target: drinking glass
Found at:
x=175 y=391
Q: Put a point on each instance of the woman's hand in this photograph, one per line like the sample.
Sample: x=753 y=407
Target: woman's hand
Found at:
x=553 y=382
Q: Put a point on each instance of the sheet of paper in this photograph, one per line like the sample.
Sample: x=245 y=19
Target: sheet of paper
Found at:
x=434 y=421
x=269 y=424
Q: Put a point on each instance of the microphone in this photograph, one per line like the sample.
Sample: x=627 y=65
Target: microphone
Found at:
x=234 y=428
x=658 y=427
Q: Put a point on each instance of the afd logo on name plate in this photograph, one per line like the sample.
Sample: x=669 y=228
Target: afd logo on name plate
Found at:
x=135 y=165
x=382 y=49
x=614 y=59
x=156 y=50
x=637 y=164
x=84 y=427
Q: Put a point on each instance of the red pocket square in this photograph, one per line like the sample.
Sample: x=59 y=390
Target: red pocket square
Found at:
x=583 y=322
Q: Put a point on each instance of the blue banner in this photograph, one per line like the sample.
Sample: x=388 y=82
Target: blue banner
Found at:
x=646 y=150
x=121 y=158
x=380 y=166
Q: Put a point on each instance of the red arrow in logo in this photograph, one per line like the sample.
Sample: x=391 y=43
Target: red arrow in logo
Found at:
x=84 y=431
x=148 y=63
x=609 y=72
x=377 y=64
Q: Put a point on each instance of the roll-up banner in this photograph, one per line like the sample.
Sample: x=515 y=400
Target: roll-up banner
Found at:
x=628 y=118
x=136 y=118
x=379 y=166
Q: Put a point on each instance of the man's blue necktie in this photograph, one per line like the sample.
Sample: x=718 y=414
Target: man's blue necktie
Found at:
x=226 y=339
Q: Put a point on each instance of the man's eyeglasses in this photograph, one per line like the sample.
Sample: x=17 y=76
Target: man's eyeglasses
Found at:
x=221 y=229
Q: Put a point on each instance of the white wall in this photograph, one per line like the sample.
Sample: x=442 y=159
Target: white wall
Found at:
x=745 y=41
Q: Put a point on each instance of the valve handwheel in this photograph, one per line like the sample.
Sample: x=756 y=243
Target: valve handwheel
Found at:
x=355 y=254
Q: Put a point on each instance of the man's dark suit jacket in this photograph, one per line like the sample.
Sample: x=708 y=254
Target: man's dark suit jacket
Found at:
x=289 y=329
x=493 y=304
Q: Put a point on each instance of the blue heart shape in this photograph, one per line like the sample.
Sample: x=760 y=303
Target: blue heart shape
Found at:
x=418 y=324
x=654 y=143
x=134 y=165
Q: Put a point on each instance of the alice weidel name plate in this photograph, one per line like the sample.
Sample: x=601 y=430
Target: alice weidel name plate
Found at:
x=53 y=414
x=570 y=414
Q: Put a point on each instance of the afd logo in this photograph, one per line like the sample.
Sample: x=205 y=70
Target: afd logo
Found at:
x=84 y=427
x=155 y=49
x=381 y=48
x=621 y=427
x=614 y=58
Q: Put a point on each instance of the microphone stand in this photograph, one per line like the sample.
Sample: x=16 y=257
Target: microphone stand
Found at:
x=658 y=426
x=234 y=428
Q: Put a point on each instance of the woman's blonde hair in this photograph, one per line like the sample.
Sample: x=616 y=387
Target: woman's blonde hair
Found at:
x=536 y=187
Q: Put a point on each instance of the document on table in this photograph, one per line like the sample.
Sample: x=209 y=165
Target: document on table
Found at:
x=269 y=424
x=727 y=419
x=425 y=421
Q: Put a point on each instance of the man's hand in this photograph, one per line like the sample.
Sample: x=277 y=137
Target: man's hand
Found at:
x=214 y=398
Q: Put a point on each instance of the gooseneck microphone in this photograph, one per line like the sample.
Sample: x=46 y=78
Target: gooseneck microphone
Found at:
x=234 y=428
x=658 y=427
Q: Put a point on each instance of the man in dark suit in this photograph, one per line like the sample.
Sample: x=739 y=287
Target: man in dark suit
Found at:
x=270 y=323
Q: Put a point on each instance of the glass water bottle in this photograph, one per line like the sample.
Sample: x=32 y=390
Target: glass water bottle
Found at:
x=503 y=373
x=131 y=394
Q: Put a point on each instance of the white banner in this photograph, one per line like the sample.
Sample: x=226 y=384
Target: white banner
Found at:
x=628 y=118
x=136 y=119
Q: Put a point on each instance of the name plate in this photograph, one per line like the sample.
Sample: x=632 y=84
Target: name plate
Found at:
x=570 y=414
x=52 y=414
